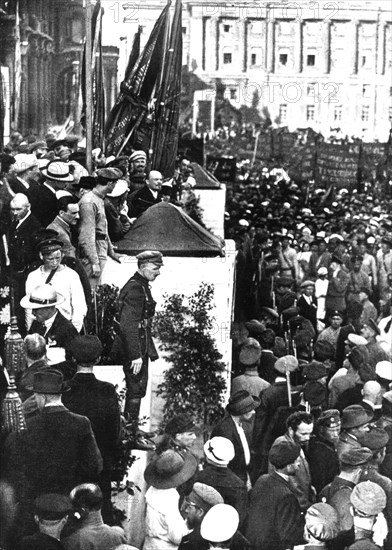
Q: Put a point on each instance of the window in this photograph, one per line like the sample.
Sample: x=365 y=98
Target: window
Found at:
x=366 y=90
x=311 y=60
x=390 y=91
x=390 y=114
x=365 y=113
x=253 y=59
x=227 y=28
x=310 y=112
x=227 y=58
x=337 y=113
x=283 y=112
x=311 y=89
x=283 y=58
x=233 y=93
x=363 y=61
x=183 y=29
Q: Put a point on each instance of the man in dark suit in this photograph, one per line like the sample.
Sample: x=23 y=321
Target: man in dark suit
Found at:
x=98 y=401
x=23 y=173
x=147 y=196
x=307 y=303
x=338 y=283
x=55 y=453
x=275 y=520
x=43 y=197
x=49 y=322
x=321 y=258
x=241 y=407
x=134 y=344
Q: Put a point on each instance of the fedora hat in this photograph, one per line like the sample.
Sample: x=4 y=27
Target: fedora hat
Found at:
x=42 y=296
x=57 y=170
x=48 y=381
x=170 y=470
x=355 y=416
x=241 y=402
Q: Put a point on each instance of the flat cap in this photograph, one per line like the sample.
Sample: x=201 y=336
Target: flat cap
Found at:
x=254 y=327
x=180 y=423
x=268 y=312
x=136 y=155
x=369 y=498
x=204 y=496
x=308 y=283
x=37 y=145
x=283 y=453
x=375 y=439
x=322 y=521
x=86 y=348
x=355 y=416
x=314 y=371
x=356 y=456
x=109 y=174
x=286 y=363
x=329 y=419
x=52 y=506
x=250 y=352
x=384 y=370
x=150 y=256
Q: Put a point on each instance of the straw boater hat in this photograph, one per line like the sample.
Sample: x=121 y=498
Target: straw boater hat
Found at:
x=170 y=470
x=58 y=171
x=42 y=296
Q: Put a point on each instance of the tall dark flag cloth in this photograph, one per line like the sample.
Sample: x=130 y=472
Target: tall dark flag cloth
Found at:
x=164 y=140
x=129 y=122
x=96 y=65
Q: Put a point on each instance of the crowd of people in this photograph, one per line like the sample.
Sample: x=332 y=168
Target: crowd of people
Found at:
x=302 y=457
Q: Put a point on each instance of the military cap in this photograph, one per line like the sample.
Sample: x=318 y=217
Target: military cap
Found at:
x=49 y=245
x=384 y=370
x=315 y=393
x=369 y=498
x=355 y=416
x=136 y=155
x=308 y=283
x=204 y=496
x=52 y=506
x=336 y=313
x=250 y=352
x=255 y=328
x=314 y=370
x=356 y=456
x=324 y=350
x=180 y=423
x=356 y=258
x=356 y=340
x=329 y=419
x=283 y=453
x=108 y=174
x=374 y=439
x=86 y=348
x=322 y=521
x=150 y=256
x=286 y=363
x=220 y=523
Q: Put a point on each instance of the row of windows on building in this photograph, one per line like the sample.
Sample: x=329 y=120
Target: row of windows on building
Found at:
x=337 y=113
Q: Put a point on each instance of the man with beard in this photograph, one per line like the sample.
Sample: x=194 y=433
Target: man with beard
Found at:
x=195 y=506
x=322 y=456
x=137 y=170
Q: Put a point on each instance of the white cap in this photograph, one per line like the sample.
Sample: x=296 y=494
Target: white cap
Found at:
x=120 y=188
x=24 y=161
x=322 y=271
x=384 y=370
x=220 y=523
x=219 y=450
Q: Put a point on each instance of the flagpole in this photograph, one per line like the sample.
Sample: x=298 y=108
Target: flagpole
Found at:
x=89 y=88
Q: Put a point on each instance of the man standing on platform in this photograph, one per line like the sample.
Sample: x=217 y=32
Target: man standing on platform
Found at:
x=134 y=341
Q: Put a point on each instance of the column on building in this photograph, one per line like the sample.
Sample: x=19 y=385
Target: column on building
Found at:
x=270 y=43
x=380 y=69
x=326 y=41
x=298 y=46
x=216 y=27
x=243 y=44
x=354 y=47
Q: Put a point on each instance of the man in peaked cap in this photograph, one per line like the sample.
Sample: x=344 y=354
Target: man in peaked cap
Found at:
x=276 y=522
x=134 y=343
x=194 y=508
x=51 y=513
x=338 y=492
x=355 y=422
x=94 y=242
x=368 y=500
x=322 y=456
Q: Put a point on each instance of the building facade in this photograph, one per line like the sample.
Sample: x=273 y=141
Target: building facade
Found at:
x=320 y=64
x=41 y=50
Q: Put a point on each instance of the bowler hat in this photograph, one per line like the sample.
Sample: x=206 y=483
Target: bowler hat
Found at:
x=283 y=453
x=241 y=402
x=86 y=348
x=250 y=352
x=48 y=381
x=170 y=469
x=355 y=416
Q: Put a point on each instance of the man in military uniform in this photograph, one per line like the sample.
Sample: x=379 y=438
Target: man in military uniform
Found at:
x=134 y=341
